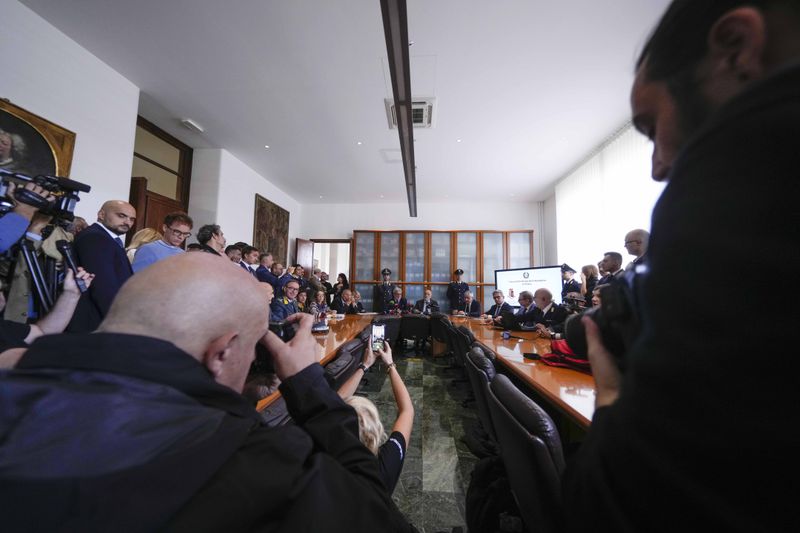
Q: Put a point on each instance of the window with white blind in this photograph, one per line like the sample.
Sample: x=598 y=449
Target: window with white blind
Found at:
x=608 y=195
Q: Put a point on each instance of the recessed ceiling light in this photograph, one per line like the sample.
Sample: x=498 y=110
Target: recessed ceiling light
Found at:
x=458 y=140
x=266 y=146
x=381 y=196
x=320 y=197
x=359 y=143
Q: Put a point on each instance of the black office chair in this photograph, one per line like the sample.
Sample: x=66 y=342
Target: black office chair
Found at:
x=439 y=329
x=480 y=371
x=531 y=450
x=392 y=324
x=346 y=362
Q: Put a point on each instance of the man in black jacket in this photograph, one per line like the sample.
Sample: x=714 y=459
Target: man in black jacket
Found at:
x=100 y=249
x=141 y=425
x=700 y=432
x=426 y=305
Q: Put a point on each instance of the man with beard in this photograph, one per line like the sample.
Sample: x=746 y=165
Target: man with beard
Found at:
x=698 y=434
x=100 y=249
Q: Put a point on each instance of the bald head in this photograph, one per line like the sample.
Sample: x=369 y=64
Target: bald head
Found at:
x=170 y=300
x=542 y=298
x=117 y=215
x=636 y=242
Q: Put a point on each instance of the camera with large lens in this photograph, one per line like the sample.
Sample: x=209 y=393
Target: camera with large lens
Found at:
x=617 y=317
x=574 y=303
x=62 y=209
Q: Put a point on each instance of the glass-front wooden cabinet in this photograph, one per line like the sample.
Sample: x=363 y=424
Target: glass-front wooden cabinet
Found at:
x=420 y=259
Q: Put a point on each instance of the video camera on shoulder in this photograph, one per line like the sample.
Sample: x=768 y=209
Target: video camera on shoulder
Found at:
x=617 y=316
x=65 y=190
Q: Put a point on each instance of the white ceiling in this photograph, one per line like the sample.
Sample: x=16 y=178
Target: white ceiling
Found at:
x=528 y=86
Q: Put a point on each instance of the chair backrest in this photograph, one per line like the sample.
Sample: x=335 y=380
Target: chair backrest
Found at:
x=468 y=334
x=481 y=372
x=458 y=344
x=531 y=449
x=392 y=324
x=438 y=327
x=347 y=358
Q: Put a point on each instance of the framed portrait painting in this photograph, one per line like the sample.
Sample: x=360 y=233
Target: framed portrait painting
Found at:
x=271 y=229
x=32 y=145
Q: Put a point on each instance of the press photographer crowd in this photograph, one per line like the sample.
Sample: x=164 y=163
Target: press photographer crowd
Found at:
x=125 y=400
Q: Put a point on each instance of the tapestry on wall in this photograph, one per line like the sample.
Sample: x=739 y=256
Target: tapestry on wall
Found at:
x=271 y=229
x=32 y=145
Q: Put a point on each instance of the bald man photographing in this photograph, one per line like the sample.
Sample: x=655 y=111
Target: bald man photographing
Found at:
x=141 y=426
x=100 y=249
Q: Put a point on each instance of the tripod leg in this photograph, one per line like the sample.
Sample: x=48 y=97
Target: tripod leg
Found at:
x=41 y=291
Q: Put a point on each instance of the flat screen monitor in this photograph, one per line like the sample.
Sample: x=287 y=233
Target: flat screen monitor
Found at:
x=514 y=281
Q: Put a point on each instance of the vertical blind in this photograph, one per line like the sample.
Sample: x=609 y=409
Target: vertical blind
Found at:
x=606 y=196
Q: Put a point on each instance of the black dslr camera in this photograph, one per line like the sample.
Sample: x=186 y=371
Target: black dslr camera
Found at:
x=283 y=329
x=574 y=304
x=65 y=190
x=617 y=317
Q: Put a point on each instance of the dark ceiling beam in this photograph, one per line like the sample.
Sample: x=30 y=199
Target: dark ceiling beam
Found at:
x=395 y=28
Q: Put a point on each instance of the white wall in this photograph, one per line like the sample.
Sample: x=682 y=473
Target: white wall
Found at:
x=604 y=198
x=550 y=232
x=337 y=221
x=223 y=192
x=50 y=75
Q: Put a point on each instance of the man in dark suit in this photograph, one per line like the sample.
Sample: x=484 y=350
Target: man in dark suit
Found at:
x=636 y=242
x=100 y=249
x=568 y=283
x=722 y=113
x=426 y=305
x=249 y=260
x=264 y=270
x=471 y=307
x=500 y=305
x=345 y=305
x=612 y=265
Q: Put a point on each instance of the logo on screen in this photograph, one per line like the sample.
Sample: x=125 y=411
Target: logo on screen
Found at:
x=525 y=275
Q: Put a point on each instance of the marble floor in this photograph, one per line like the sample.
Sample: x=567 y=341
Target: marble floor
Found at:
x=438 y=464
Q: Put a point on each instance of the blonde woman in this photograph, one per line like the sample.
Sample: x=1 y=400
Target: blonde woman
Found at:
x=140 y=238
x=391 y=449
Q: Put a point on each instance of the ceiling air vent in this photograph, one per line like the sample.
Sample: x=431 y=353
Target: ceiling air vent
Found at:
x=421 y=112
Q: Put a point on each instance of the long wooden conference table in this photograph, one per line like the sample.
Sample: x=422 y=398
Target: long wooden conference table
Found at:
x=569 y=391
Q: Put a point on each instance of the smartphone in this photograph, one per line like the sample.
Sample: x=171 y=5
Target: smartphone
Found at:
x=378 y=336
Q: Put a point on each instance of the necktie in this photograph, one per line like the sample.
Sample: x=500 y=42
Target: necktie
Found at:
x=119 y=241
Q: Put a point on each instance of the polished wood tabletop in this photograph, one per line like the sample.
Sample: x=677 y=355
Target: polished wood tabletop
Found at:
x=340 y=331
x=569 y=390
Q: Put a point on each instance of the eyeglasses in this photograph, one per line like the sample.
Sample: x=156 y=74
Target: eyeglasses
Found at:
x=292 y=288
x=632 y=242
x=179 y=233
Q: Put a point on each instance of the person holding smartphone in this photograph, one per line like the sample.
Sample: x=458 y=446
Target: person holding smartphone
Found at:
x=391 y=449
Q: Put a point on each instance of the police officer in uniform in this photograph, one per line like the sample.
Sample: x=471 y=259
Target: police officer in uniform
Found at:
x=568 y=283
x=383 y=292
x=456 y=291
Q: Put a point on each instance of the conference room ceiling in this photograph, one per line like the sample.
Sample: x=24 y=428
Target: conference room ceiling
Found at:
x=523 y=90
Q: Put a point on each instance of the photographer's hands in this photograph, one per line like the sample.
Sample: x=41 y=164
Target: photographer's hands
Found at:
x=291 y=357
x=24 y=209
x=607 y=377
